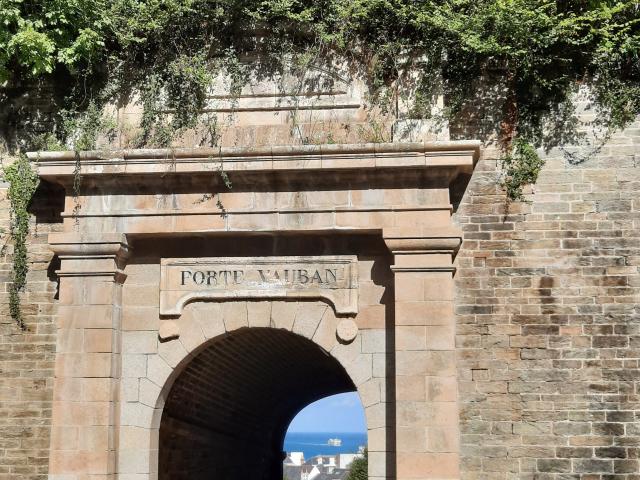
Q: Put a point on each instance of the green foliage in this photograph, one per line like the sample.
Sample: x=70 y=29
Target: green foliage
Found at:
x=523 y=59
x=521 y=167
x=359 y=469
x=38 y=36
x=83 y=129
x=32 y=49
x=182 y=89
x=154 y=128
x=187 y=80
x=46 y=142
x=23 y=182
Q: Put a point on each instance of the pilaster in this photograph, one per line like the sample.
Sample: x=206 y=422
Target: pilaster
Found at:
x=427 y=418
x=87 y=369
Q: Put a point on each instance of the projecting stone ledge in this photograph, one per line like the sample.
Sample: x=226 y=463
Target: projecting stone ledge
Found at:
x=58 y=166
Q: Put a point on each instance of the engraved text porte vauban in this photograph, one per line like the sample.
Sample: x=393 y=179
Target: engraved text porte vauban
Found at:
x=332 y=278
x=300 y=276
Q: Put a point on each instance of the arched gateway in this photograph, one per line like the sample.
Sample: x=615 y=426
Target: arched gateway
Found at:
x=227 y=413
x=191 y=331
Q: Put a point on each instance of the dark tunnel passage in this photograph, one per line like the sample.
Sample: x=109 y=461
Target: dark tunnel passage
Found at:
x=227 y=413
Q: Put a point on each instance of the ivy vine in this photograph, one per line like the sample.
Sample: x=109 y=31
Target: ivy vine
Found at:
x=521 y=62
x=523 y=59
x=23 y=182
x=520 y=167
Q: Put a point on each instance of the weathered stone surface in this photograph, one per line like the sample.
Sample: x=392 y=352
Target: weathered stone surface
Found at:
x=547 y=324
x=347 y=330
x=184 y=280
x=169 y=330
x=191 y=370
x=528 y=369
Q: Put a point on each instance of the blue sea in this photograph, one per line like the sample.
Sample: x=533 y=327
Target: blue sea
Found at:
x=316 y=443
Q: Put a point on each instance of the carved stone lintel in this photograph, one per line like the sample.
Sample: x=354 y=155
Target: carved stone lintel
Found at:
x=330 y=278
x=84 y=255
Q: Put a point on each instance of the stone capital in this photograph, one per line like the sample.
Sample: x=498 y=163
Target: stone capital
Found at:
x=423 y=240
x=431 y=250
x=86 y=254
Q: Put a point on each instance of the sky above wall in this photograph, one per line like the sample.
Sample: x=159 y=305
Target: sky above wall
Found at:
x=338 y=413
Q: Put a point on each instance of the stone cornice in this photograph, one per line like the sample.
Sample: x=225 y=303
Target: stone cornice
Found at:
x=61 y=166
x=86 y=244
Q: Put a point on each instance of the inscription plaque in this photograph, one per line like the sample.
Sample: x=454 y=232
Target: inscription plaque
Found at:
x=332 y=278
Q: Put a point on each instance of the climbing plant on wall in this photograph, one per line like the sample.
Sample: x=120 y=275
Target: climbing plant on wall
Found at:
x=526 y=57
x=22 y=184
x=523 y=60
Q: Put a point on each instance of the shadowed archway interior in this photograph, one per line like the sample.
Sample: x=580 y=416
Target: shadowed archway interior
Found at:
x=227 y=412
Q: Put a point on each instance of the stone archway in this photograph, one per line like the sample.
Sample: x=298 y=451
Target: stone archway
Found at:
x=377 y=216
x=227 y=411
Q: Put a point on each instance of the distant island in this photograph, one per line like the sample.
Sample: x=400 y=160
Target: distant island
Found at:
x=324 y=443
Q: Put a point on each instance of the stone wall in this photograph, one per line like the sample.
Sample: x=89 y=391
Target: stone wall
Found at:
x=230 y=391
x=188 y=452
x=548 y=329
x=548 y=320
x=227 y=412
x=27 y=357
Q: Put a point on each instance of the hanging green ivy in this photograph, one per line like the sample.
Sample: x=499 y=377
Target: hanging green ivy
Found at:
x=23 y=182
x=520 y=167
x=523 y=58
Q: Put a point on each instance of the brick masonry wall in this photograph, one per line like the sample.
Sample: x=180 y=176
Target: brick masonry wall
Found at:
x=27 y=358
x=192 y=453
x=548 y=333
